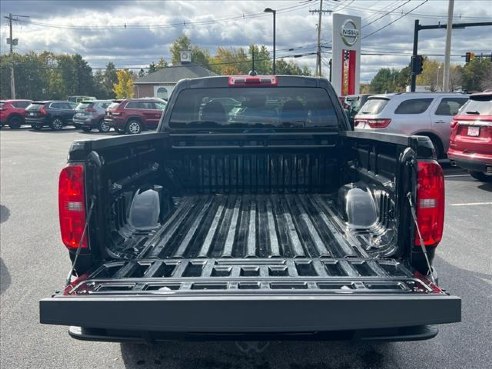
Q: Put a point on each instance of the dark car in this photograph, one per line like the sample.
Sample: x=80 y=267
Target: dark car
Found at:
x=54 y=114
x=12 y=112
x=470 y=145
x=90 y=114
x=352 y=105
x=135 y=115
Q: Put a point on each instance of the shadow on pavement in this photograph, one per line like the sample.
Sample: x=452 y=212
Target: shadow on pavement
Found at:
x=450 y=349
x=4 y=277
x=227 y=355
x=4 y=213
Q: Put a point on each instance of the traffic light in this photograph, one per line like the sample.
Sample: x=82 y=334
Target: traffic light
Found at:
x=417 y=64
x=469 y=56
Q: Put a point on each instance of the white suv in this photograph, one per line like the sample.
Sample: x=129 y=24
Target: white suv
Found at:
x=412 y=113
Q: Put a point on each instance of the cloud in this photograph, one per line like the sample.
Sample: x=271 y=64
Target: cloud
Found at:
x=138 y=32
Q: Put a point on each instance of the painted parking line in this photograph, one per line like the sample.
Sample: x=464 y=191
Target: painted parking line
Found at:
x=457 y=175
x=472 y=203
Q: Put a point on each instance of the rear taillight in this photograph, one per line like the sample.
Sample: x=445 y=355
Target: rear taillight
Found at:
x=378 y=123
x=43 y=111
x=71 y=203
x=90 y=110
x=430 y=202
x=453 y=123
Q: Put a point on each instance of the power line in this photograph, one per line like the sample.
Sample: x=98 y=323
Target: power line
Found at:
x=396 y=20
x=385 y=14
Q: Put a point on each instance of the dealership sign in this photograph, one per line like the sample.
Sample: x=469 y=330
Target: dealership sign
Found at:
x=349 y=32
x=346 y=54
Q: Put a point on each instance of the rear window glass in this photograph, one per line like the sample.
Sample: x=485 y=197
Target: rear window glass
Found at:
x=283 y=107
x=374 y=106
x=21 y=104
x=413 y=106
x=35 y=106
x=113 y=105
x=450 y=105
x=83 y=106
x=478 y=105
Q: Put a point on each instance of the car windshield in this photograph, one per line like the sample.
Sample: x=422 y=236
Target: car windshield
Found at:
x=374 y=105
x=478 y=105
x=284 y=107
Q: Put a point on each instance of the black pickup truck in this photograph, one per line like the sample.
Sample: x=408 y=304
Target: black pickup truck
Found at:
x=269 y=219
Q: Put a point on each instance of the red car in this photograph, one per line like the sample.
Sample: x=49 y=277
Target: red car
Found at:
x=135 y=115
x=470 y=144
x=13 y=113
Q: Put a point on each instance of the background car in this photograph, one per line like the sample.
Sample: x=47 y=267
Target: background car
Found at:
x=13 y=112
x=90 y=114
x=77 y=99
x=55 y=114
x=352 y=105
x=412 y=113
x=470 y=145
x=135 y=115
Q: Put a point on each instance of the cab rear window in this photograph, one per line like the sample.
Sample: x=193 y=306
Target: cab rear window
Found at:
x=258 y=107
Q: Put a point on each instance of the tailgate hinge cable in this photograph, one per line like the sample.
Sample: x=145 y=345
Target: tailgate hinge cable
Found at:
x=421 y=240
x=77 y=253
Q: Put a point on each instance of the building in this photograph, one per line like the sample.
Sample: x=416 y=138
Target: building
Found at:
x=161 y=83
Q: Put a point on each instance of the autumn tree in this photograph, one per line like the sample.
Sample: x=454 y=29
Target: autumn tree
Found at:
x=124 y=87
x=231 y=61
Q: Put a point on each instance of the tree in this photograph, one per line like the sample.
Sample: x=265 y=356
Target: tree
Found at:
x=475 y=73
x=124 y=87
x=263 y=63
x=230 y=61
x=290 y=68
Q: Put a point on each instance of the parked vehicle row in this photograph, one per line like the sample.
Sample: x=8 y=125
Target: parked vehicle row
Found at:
x=124 y=116
x=458 y=125
x=412 y=113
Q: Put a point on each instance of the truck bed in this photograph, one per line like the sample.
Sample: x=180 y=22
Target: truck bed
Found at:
x=293 y=241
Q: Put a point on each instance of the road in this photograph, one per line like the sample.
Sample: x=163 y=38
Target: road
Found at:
x=34 y=264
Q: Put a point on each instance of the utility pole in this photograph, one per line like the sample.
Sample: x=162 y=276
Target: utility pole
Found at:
x=11 y=41
x=318 y=53
x=447 y=51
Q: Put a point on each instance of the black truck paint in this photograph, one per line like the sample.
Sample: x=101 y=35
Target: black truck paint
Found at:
x=250 y=231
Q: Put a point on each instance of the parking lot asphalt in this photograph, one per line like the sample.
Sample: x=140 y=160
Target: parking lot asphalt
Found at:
x=33 y=264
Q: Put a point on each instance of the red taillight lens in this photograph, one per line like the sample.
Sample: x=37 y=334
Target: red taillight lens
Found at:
x=43 y=111
x=378 y=123
x=71 y=203
x=90 y=110
x=430 y=202
x=453 y=123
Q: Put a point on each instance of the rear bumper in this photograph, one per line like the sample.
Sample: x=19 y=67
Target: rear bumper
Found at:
x=249 y=313
x=37 y=121
x=474 y=162
x=396 y=334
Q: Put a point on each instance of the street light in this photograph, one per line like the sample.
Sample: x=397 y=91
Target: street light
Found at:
x=274 y=12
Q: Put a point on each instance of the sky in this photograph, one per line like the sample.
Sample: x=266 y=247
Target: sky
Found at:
x=135 y=33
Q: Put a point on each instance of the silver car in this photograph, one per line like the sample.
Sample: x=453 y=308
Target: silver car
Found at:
x=412 y=113
x=90 y=114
